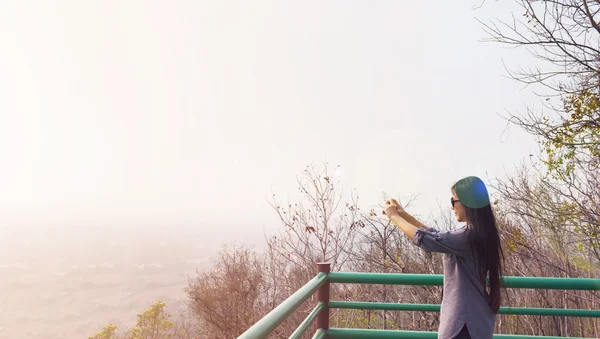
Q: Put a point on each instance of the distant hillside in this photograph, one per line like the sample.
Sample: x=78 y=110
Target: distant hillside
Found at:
x=71 y=285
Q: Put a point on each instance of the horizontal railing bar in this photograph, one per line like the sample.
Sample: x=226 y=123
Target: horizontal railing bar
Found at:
x=386 y=278
x=351 y=333
x=438 y=280
x=356 y=305
x=320 y=334
x=554 y=312
x=279 y=314
x=551 y=283
x=359 y=305
x=307 y=321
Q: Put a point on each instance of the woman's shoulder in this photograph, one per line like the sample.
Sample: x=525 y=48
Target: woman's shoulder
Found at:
x=460 y=230
x=458 y=235
x=457 y=231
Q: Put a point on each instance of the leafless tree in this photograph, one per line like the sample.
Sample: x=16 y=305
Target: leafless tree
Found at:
x=226 y=297
x=565 y=36
x=538 y=242
x=244 y=285
x=320 y=225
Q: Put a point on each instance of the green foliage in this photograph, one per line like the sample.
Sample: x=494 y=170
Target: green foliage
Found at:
x=514 y=239
x=571 y=213
x=576 y=137
x=354 y=318
x=572 y=149
x=582 y=263
x=154 y=323
x=108 y=332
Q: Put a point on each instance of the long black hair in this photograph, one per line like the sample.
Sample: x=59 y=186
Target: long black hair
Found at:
x=483 y=236
x=486 y=250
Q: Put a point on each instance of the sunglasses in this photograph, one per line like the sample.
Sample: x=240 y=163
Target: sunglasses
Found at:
x=452 y=201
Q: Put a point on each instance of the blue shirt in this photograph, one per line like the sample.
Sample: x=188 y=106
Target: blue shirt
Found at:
x=464 y=300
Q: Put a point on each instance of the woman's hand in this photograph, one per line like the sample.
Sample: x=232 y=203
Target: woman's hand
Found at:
x=392 y=211
x=391 y=208
x=393 y=203
x=398 y=206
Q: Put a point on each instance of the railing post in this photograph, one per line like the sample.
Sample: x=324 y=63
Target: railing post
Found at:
x=323 y=296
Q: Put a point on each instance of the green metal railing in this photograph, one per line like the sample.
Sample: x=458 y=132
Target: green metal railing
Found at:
x=269 y=323
x=320 y=313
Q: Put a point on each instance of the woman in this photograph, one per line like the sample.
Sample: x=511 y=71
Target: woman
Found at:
x=472 y=254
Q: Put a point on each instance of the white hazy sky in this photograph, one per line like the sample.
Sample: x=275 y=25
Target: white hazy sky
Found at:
x=192 y=112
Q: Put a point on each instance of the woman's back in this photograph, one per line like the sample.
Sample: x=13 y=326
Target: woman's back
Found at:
x=465 y=301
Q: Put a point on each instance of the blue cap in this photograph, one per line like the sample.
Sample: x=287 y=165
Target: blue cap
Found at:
x=471 y=192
